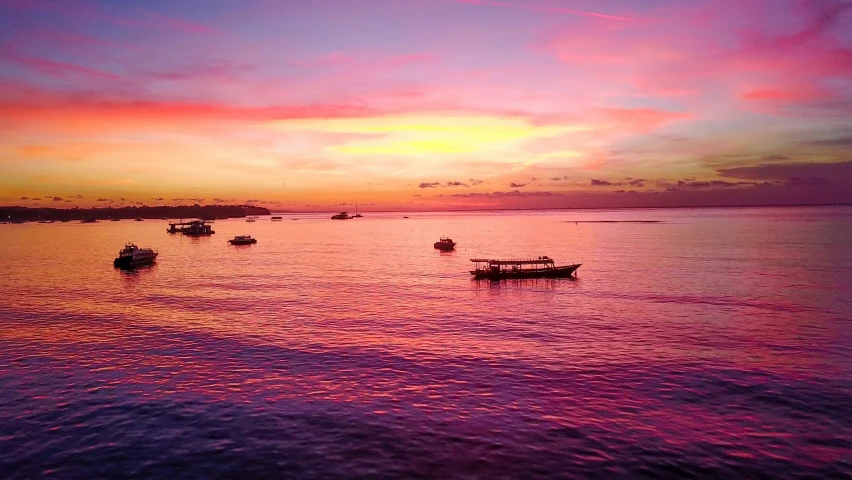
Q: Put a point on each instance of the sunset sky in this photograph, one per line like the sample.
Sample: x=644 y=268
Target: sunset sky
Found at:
x=425 y=104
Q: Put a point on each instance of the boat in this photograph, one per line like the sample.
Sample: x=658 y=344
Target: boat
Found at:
x=277 y=219
x=139 y=219
x=114 y=219
x=357 y=215
x=445 y=244
x=541 y=267
x=341 y=216
x=251 y=219
x=46 y=221
x=404 y=217
x=242 y=240
x=88 y=220
x=197 y=228
x=132 y=256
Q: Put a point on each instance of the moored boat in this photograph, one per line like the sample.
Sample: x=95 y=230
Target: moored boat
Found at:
x=277 y=219
x=341 y=216
x=139 y=219
x=132 y=256
x=251 y=219
x=541 y=267
x=445 y=244
x=242 y=240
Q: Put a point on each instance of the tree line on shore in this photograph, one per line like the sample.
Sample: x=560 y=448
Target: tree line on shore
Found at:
x=28 y=214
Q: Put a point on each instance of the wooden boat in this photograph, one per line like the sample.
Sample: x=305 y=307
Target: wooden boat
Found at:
x=242 y=240
x=132 y=256
x=445 y=244
x=541 y=267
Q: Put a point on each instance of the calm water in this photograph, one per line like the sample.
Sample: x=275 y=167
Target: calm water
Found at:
x=713 y=344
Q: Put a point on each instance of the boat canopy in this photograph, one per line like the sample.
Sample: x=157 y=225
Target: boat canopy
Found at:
x=519 y=261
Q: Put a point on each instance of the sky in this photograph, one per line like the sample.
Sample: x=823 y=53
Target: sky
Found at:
x=425 y=104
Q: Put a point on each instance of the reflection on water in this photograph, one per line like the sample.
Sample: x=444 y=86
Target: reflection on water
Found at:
x=714 y=343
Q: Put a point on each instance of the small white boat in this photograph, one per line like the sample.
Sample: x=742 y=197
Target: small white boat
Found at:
x=132 y=256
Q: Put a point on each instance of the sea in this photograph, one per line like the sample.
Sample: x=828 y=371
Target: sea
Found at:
x=693 y=343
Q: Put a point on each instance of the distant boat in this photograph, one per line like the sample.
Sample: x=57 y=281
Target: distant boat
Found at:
x=242 y=240
x=295 y=219
x=114 y=219
x=541 y=267
x=251 y=219
x=139 y=219
x=404 y=217
x=445 y=244
x=277 y=219
x=341 y=216
x=357 y=215
x=132 y=256
x=88 y=220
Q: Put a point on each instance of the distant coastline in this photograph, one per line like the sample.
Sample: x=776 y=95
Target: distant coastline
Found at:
x=549 y=209
x=28 y=214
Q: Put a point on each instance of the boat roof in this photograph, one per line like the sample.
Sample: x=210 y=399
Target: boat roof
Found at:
x=514 y=261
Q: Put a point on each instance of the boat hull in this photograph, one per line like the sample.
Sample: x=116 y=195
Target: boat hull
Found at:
x=556 y=272
x=127 y=263
x=445 y=246
x=242 y=242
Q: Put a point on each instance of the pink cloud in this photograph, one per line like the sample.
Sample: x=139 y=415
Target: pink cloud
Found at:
x=554 y=10
x=53 y=68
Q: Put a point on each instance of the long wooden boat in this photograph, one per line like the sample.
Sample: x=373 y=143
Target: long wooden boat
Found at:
x=541 y=267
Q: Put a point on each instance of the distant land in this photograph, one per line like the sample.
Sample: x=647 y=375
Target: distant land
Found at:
x=27 y=214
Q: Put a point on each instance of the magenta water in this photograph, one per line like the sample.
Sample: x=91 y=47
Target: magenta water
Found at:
x=695 y=343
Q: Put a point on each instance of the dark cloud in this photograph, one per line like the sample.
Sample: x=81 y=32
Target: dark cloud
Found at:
x=513 y=193
x=417 y=195
x=775 y=158
x=122 y=199
x=517 y=185
x=57 y=199
x=474 y=181
x=252 y=201
x=810 y=181
x=597 y=182
x=157 y=199
x=636 y=182
x=830 y=142
x=78 y=196
x=429 y=184
x=534 y=179
x=25 y=198
x=457 y=184
x=102 y=200
x=710 y=183
x=68 y=201
x=840 y=170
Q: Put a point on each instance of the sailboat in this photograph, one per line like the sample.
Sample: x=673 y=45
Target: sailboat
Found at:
x=357 y=215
